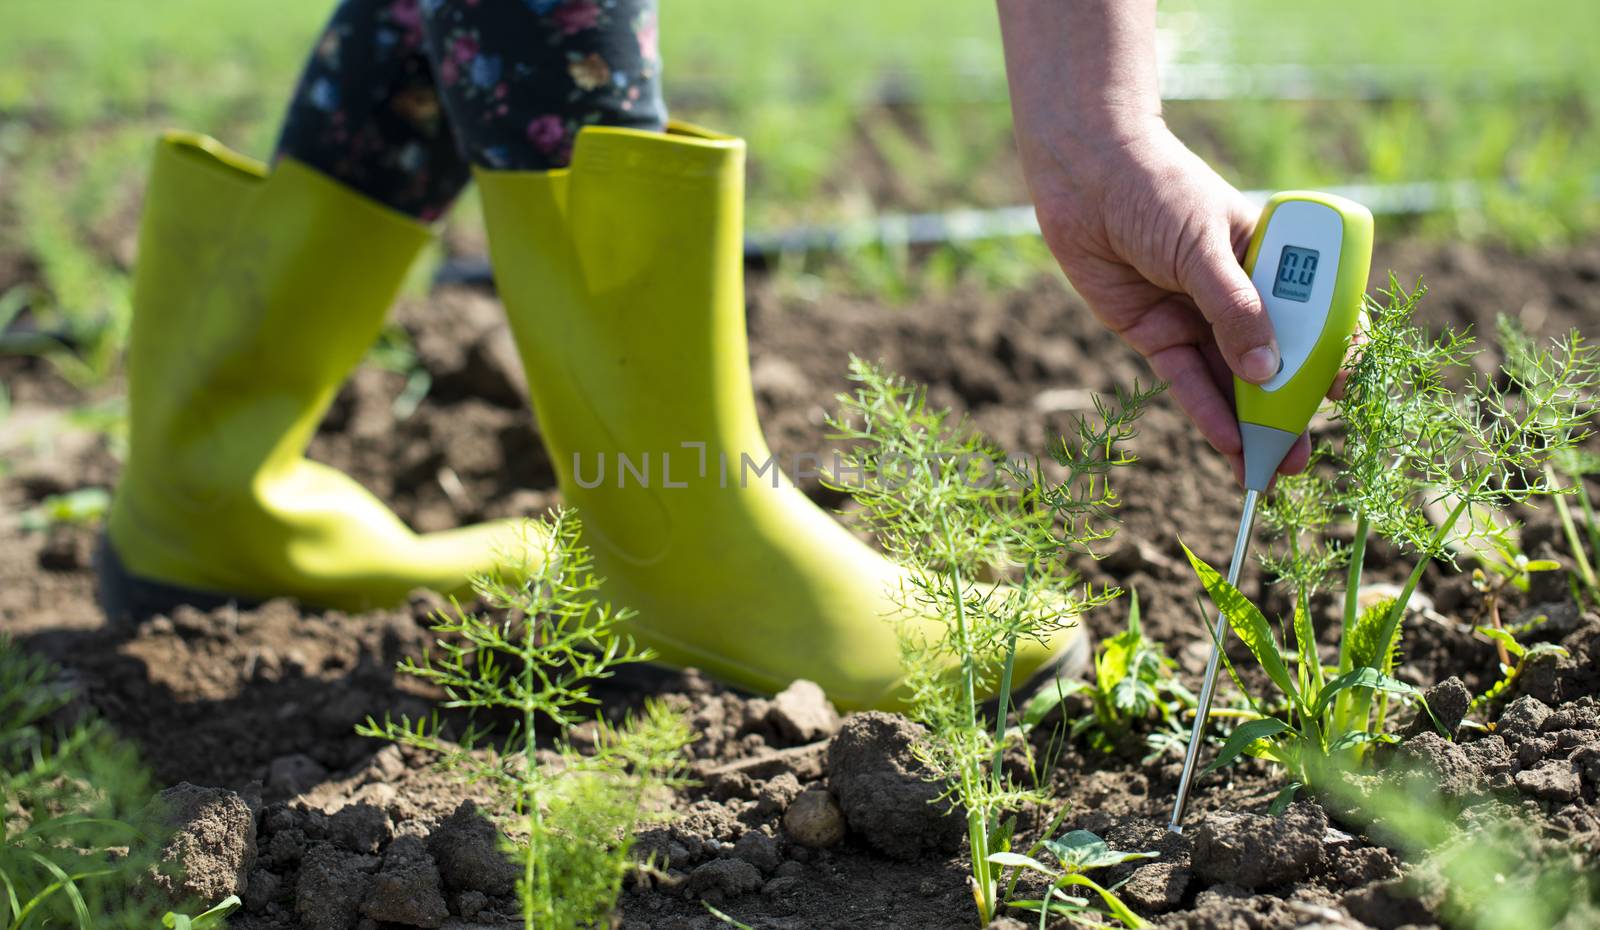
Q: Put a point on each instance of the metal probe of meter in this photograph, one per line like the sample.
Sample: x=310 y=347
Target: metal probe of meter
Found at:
x=1309 y=259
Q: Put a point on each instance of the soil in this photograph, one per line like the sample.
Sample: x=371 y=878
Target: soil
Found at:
x=799 y=819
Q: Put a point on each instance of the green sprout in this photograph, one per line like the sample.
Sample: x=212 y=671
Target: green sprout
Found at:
x=1514 y=658
x=948 y=506
x=1076 y=853
x=82 y=507
x=1570 y=463
x=1133 y=683
x=576 y=819
x=1413 y=441
x=212 y=918
x=69 y=792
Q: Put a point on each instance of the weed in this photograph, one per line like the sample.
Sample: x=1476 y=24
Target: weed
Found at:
x=1514 y=657
x=71 y=795
x=575 y=817
x=212 y=918
x=946 y=504
x=75 y=508
x=1570 y=463
x=1133 y=683
x=1412 y=441
x=1076 y=853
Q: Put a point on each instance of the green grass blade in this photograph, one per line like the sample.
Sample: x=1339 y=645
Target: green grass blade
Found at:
x=1247 y=622
x=1243 y=737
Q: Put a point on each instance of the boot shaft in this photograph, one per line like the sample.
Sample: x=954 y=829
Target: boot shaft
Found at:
x=623 y=280
x=255 y=294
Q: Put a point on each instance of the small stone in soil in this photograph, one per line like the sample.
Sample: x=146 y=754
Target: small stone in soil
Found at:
x=802 y=713
x=1254 y=852
x=1553 y=780
x=721 y=879
x=406 y=890
x=213 y=844
x=815 y=819
x=466 y=847
x=470 y=903
x=885 y=792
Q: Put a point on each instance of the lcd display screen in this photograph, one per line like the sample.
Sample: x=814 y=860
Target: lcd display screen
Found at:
x=1297 y=270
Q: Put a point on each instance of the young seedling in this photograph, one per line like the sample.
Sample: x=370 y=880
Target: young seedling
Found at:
x=1133 y=684
x=70 y=791
x=946 y=504
x=212 y=918
x=1514 y=657
x=1410 y=441
x=1076 y=853
x=575 y=819
x=1570 y=463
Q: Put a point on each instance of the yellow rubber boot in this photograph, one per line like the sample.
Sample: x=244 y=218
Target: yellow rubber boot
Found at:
x=623 y=279
x=254 y=297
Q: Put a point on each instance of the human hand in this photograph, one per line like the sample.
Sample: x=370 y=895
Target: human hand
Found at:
x=1152 y=239
x=1146 y=232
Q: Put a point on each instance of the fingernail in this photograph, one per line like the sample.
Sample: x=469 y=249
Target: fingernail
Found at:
x=1260 y=364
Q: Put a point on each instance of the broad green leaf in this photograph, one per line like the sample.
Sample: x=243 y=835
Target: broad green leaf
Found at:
x=1361 y=677
x=1116 y=653
x=1080 y=851
x=1018 y=860
x=1246 y=621
x=1504 y=639
x=1284 y=798
x=1243 y=737
x=211 y=918
x=1359 y=738
x=1041 y=704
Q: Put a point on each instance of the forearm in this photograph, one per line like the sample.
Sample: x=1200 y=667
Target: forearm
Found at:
x=1082 y=73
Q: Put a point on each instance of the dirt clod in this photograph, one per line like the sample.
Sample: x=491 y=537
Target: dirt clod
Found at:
x=802 y=713
x=1552 y=780
x=885 y=792
x=1522 y=718
x=814 y=819
x=760 y=850
x=1253 y=851
x=331 y=887
x=1156 y=887
x=1449 y=701
x=406 y=889
x=293 y=774
x=359 y=828
x=213 y=844
x=1436 y=763
x=466 y=847
x=722 y=879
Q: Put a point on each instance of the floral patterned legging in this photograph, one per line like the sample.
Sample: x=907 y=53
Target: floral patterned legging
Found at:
x=401 y=97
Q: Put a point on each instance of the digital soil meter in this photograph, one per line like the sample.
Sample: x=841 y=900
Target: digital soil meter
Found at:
x=1309 y=259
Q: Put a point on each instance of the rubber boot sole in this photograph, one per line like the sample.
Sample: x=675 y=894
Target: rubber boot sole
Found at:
x=127 y=598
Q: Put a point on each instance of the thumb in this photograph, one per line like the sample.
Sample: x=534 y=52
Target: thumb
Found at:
x=1214 y=280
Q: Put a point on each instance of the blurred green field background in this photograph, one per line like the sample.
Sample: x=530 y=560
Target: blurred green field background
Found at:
x=850 y=108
